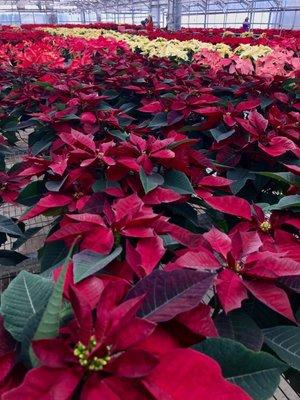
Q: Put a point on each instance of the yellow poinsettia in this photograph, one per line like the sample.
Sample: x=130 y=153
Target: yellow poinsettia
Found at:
x=161 y=47
x=254 y=52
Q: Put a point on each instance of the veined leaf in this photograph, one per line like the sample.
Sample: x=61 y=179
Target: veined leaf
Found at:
x=52 y=253
x=25 y=296
x=31 y=194
x=287 y=202
x=168 y=294
x=285 y=342
x=150 y=182
x=258 y=373
x=87 y=263
x=285 y=177
x=9 y=227
x=179 y=182
x=49 y=323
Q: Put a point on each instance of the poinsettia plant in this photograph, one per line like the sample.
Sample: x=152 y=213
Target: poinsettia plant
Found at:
x=173 y=246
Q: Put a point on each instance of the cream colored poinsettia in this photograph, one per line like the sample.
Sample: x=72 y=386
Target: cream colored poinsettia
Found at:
x=161 y=47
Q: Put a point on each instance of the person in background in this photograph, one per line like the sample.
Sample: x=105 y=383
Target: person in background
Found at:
x=246 y=25
x=149 y=24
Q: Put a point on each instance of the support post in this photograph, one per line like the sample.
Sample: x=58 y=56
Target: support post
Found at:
x=98 y=15
x=82 y=17
x=174 y=14
x=155 y=12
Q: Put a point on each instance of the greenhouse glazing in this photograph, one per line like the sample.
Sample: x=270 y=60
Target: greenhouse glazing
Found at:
x=186 y=13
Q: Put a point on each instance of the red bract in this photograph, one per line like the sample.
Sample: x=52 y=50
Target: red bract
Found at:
x=85 y=151
x=267 y=224
x=233 y=112
x=11 y=373
x=139 y=160
x=127 y=217
x=139 y=153
x=77 y=189
x=10 y=186
x=104 y=355
x=227 y=204
x=243 y=268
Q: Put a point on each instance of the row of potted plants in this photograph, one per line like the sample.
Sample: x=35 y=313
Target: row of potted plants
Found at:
x=174 y=247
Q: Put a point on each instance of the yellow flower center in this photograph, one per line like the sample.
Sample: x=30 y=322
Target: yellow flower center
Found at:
x=77 y=195
x=92 y=363
x=265 y=226
x=237 y=267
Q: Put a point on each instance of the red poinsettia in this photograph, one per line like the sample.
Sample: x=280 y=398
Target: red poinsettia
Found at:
x=76 y=192
x=139 y=153
x=102 y=354
x=127 y=217
x=10 y=186
x=243 y=268
x=230 y=204
x=270 y=142
x=267 y=224
x=233 y=112
x=11 y=373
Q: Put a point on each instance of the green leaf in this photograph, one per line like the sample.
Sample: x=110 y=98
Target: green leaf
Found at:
x=285 y=177
x=265 y=102
x=41 y=145
x=258 y=373
x=150 y=182
x=48 y=326
x=8 y=226
x=126 y=107
x=70 y=117
x=179 y=182
x=219 y=135
x=55 y=186
x=52 y=253
x=25 y=296
x=119 y=134
x=28 y=333
x=240 y=176
x=87 y=263
x=185 y=210
x=111 y=94
x=102 y=184
x=44 y=85
x=31 y=194
x=285 y=342
x=169 y=240
x=287 y=202
x=9 y=257
x=158 y=121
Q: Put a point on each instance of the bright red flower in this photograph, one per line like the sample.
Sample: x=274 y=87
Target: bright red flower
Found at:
x=243 y=267
x=233 y=112
x=10 y=186
x=127 y=217
x=105 y=356
x=139 y=153
x=11 y=373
